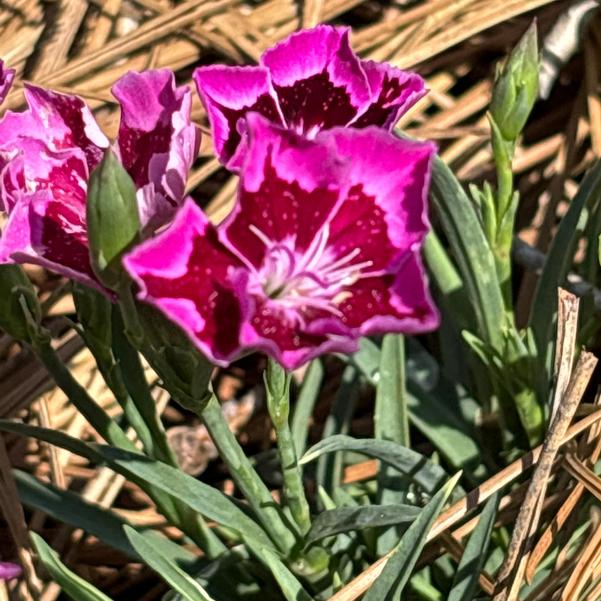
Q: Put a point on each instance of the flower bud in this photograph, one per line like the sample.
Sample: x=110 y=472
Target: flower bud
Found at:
x=112 y=219
x=516 y=87
x=20 y=312
x=185 y=372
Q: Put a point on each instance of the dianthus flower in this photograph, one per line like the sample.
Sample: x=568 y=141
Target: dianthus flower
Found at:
x=309 y=82
x=48 y=152
x=321 y=248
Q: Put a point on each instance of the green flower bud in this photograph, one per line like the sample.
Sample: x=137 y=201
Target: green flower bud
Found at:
x=20 y=312
x=516 y=87
x=112 y=219
x=184 y=371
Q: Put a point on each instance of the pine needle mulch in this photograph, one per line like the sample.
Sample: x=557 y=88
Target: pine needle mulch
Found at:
x=83 y=46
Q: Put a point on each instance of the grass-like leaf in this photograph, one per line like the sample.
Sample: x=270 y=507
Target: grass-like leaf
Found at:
x=558 y=263
x=346 y=519
x=391 y=422
x=169 y=571
x=200 y=497
x=471 y=251
x=303 y=408
x=474 y=555
x=431 y=409
x=74 y=586
x=419 y=468
x=397 y=571
x=107 y=526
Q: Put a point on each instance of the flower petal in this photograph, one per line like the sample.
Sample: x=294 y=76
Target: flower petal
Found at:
x=385 y=212
x=46 y=224
x=63 y=121
x=398 y=302
x=276 y=332
x=185 y=272
x=6 y=80
x=228 y=94
x=393 y=92
x=8 y=570
x=287 y=191
x=318 y=79
x=43 y=232
x=157 y=141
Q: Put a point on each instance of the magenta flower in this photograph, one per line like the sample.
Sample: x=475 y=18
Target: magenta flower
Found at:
x=8 y=570
x=48 y=152
x=321 y=248
x=309 y=82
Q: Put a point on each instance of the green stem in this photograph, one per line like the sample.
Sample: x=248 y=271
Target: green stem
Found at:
x=506 y=204
x=245 y=476
x=133 y=327
x=136 y=386
x=112 y=376
x=277 y=384
x=85 y=404
x=193 y=524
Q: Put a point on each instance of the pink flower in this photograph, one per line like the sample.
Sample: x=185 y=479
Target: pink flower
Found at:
x=321 y=248
x=309 y=82
x=8 y=570
x=48 y=152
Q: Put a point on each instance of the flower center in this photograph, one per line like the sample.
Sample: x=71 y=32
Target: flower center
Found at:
x=313 y=279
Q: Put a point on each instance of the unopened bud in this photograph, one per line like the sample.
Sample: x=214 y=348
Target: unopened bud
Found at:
x=112 y=219
x=516 y=87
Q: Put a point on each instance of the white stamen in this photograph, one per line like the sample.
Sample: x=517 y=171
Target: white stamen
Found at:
x=260 y=235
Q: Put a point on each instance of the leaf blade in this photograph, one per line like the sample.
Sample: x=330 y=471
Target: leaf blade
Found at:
x=74 y=586
x=398 y=568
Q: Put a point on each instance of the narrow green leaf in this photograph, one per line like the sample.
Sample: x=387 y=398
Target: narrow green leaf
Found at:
x=288 y=583
x=367 y=359
x=474 y=555
x=330 y=467
x=201 y=497
x=391 y=419
x=346 y=519
x=397 y=571
x=419 y=468
x=559 y=260
x=104 y=524
x=169 y=571
x=304 y=405
x=391 y=422
x=471 y=251
x=432 y=403
x=74 y=586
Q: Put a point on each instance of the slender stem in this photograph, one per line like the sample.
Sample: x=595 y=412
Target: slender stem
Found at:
x=245 y=476
x=85 y=404
x=133 y=327
x=133 y=381
x=112 y=376
x=278 y=402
